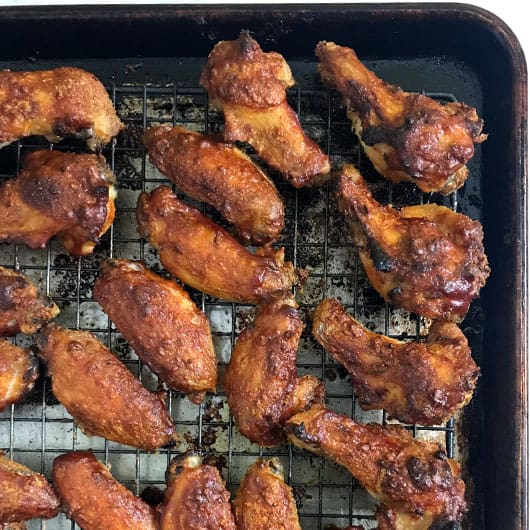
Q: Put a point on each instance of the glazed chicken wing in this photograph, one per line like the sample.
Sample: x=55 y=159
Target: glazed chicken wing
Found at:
x=205 y=256
x=196 y=497
x=264 y=501
x=94 y=499
x=417 y=485
x=19 y=369
x=406 y=136
x=22 y=307
x=423 y=383
x=162 y=324
x=60 y=103
x=58 y=193
x=426 y=258
x=24 y=494
x=249 y=86
x=261 y=381
x=104 y=398
x=216 y=172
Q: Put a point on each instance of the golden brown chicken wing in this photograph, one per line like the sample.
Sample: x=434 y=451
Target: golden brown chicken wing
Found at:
x=94 y=499
x=216 y=172
x=406 y=136
x=426 y=258
x=196 y=497
x=58 y=193
x=58 y=103
x=417 y=485
x=103 y=397
x=261 y=381
x=22 y=307
x=19 y=369
x=249 y=86
x=423 y=383
x=24 y=494
x=160 y=321
x=207 y=257
x=264 y=501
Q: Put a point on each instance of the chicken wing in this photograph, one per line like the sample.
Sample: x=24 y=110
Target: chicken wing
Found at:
x=261 y=381
x=103 y=397
x=216 y=172
x=423 y=383
x=19 y=369
x=264 y=501
x=58 y=103
x=162 y=324
x=22 y=308
x=406 y=136
x=249 y=86
x=426 y=258
x=58 y=193
x=207 y=257
x=417 y=485
x=24 y=494
x=94 y=499
x=196 y=497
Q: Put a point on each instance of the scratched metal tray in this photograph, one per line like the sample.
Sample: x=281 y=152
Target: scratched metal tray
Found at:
x=150 y=60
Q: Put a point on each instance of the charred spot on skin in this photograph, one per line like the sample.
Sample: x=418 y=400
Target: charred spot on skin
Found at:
x=394 y=293
x=382 y=261
x=299 y=431
x=247 y=45
x=7 y=287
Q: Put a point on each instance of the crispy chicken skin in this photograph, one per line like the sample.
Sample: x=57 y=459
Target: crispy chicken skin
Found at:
x=261 y=382
x=19 y=369
x=24 y=494
x=104 y=398
x=57 y=193
x=406 y=136
x=58 y=103
x=426 y=258
x=22 y=307
x=264 y=501
x=423 y=383
x=205 y=256
x=210 y=170
x=196 y=497
x=159 y=320
x=94 y=499
x=417 y=485
x=249 y=86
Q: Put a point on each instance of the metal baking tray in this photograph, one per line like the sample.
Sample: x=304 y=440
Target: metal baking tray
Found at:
x=150 y=60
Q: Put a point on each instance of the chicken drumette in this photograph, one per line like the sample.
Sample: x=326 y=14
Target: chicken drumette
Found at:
x=58 y=193
x=423 y=383
x=425 y=258
x=249 y=86
x=58 y=103
x=406 y=136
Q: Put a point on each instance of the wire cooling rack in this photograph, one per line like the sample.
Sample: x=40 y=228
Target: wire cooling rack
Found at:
x=37 y=430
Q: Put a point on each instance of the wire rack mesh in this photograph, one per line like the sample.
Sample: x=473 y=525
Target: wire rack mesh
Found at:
x=315 y=237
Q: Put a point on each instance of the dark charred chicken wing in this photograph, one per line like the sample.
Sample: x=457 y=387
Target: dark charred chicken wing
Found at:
x=57 y=193
x=249 y=86
x=264 y=501
x=196 y=497
x=161 y=323
x=104 y=398
x=261 y=381
x=205 y=256
x=210 y=170
x=425 y=258
x=417 y=485
x=19 y=369
x=94 y=499
x=60 y=103
x=24 y=494
x=423 y=383
x=406 y=136
x=22 y=307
